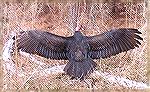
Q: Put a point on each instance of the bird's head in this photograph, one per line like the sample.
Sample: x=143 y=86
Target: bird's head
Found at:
x=78 y=28
x=78 y=35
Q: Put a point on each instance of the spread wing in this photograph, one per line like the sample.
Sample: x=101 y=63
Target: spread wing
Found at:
x=113 y=42
x=43 y=43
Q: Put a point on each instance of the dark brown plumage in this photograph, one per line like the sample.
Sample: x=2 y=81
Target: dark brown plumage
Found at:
x=79 y=49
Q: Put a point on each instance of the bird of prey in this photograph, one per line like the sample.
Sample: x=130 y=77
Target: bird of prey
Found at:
x=80 y=50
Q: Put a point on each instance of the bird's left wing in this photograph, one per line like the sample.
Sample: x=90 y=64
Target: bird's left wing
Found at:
x=43 y=43
x=113 y=42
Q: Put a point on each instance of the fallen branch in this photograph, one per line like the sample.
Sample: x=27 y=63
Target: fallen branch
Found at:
x=9 y=65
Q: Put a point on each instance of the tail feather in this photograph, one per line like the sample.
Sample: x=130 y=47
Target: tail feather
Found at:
x=79 y=69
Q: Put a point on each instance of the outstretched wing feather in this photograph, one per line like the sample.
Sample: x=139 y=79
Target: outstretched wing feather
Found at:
x=113 y=42
x=43 y=43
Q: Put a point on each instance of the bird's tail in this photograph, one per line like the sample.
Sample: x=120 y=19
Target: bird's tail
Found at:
x=79 y=69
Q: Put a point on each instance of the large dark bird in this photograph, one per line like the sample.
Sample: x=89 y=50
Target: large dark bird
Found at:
x=79 y=49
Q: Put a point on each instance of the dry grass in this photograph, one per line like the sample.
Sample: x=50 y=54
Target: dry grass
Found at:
x=54 y=17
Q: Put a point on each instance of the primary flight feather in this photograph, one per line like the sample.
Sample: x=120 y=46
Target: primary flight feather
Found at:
x=79 y=49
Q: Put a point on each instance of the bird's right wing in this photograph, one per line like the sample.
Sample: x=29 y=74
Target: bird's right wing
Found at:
x=42 y=43
x=113 y=42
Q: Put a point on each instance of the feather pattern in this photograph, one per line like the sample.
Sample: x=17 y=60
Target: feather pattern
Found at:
x=113 y=42
x=42 y=43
